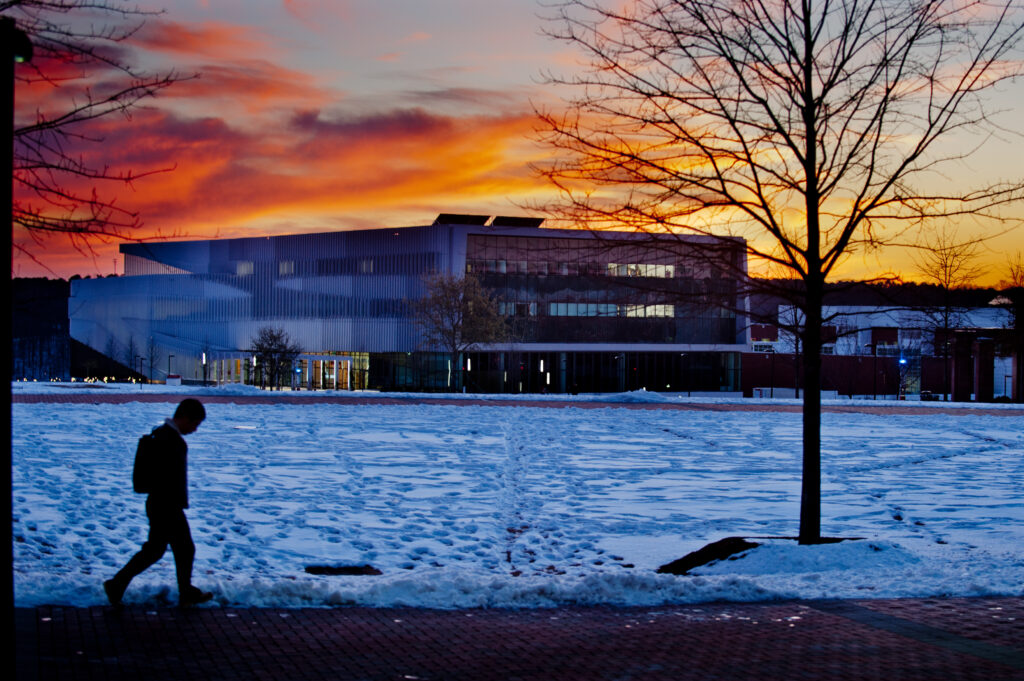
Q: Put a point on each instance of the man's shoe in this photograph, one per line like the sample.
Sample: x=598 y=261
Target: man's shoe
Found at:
x=114 y=592
x=193 y=596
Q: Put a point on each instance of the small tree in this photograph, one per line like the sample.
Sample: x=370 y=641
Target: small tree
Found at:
x=275 y=352
x=131 y=355
x=110 y=349
x=153 y=356
x=947 y=263
x=457 y=314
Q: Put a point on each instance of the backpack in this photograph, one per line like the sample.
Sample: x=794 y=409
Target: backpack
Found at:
x=144 y=473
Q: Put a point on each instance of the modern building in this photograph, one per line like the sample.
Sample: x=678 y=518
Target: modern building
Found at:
x=587 y=311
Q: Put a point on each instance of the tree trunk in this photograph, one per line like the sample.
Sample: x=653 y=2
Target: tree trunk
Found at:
x=814 y=281
x=810 y=493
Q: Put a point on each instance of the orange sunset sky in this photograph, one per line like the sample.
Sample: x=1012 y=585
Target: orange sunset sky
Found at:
x=317 y=115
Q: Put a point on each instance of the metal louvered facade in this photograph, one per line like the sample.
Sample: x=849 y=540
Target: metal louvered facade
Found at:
x=346 y=294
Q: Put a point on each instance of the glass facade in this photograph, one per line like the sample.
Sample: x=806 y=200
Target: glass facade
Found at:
x=606 y=290
x=585 y=312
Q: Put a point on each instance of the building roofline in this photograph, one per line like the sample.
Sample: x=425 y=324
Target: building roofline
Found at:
x=500 y=226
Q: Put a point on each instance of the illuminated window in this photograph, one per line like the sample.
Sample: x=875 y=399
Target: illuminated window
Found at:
x=640 y=270
x=649 y=310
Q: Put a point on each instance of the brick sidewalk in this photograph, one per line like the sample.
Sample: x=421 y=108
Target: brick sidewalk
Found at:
x=932 y=640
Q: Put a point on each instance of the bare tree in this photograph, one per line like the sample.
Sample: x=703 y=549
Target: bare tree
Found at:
x=80 y=59
x=110 y=349
x=1015 y=271
x=811 y=129
x=950 y=265
x=131 y=355
x=153 y=355
x=275 y=352
x=456 y=315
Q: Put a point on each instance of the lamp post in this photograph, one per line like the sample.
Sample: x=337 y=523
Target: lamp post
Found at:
x=15 y=48
x=901 y=389
x=874 y=369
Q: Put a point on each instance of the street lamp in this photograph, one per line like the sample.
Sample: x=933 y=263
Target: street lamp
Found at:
x=901 y=389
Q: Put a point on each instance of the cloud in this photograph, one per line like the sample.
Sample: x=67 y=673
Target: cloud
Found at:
x=388 y=125
x=494 y=99
x=312 y=170
x=209 y=39
x=416 y=37
x=397 y=56
x=317 y=14
x=252 y=86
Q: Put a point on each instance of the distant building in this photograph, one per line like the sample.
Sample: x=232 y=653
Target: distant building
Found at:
x=41 y=347
x=892 y=350
x=604 y=311
x=893 y=331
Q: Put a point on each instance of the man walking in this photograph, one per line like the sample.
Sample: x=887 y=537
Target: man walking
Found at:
x=166 y=482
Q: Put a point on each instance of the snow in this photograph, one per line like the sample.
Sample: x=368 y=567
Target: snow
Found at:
x=509 y=505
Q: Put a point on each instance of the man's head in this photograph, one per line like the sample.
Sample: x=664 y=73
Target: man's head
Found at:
x=189 y=414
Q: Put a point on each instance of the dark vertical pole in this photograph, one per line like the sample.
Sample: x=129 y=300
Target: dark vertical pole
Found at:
x=874 y=370
x=7 y=30
x=14 y=46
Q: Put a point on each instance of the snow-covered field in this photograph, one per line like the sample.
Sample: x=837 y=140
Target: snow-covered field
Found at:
x=506 y=505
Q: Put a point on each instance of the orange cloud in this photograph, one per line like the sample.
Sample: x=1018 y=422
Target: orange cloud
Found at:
x=211 y=40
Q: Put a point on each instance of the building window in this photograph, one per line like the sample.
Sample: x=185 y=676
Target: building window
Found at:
x=607 y=310
x=640 y=270
x=650 y=310
x=286 y=268
x=243 y=268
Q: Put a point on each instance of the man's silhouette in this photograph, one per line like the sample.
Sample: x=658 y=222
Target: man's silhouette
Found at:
x=165 y=508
